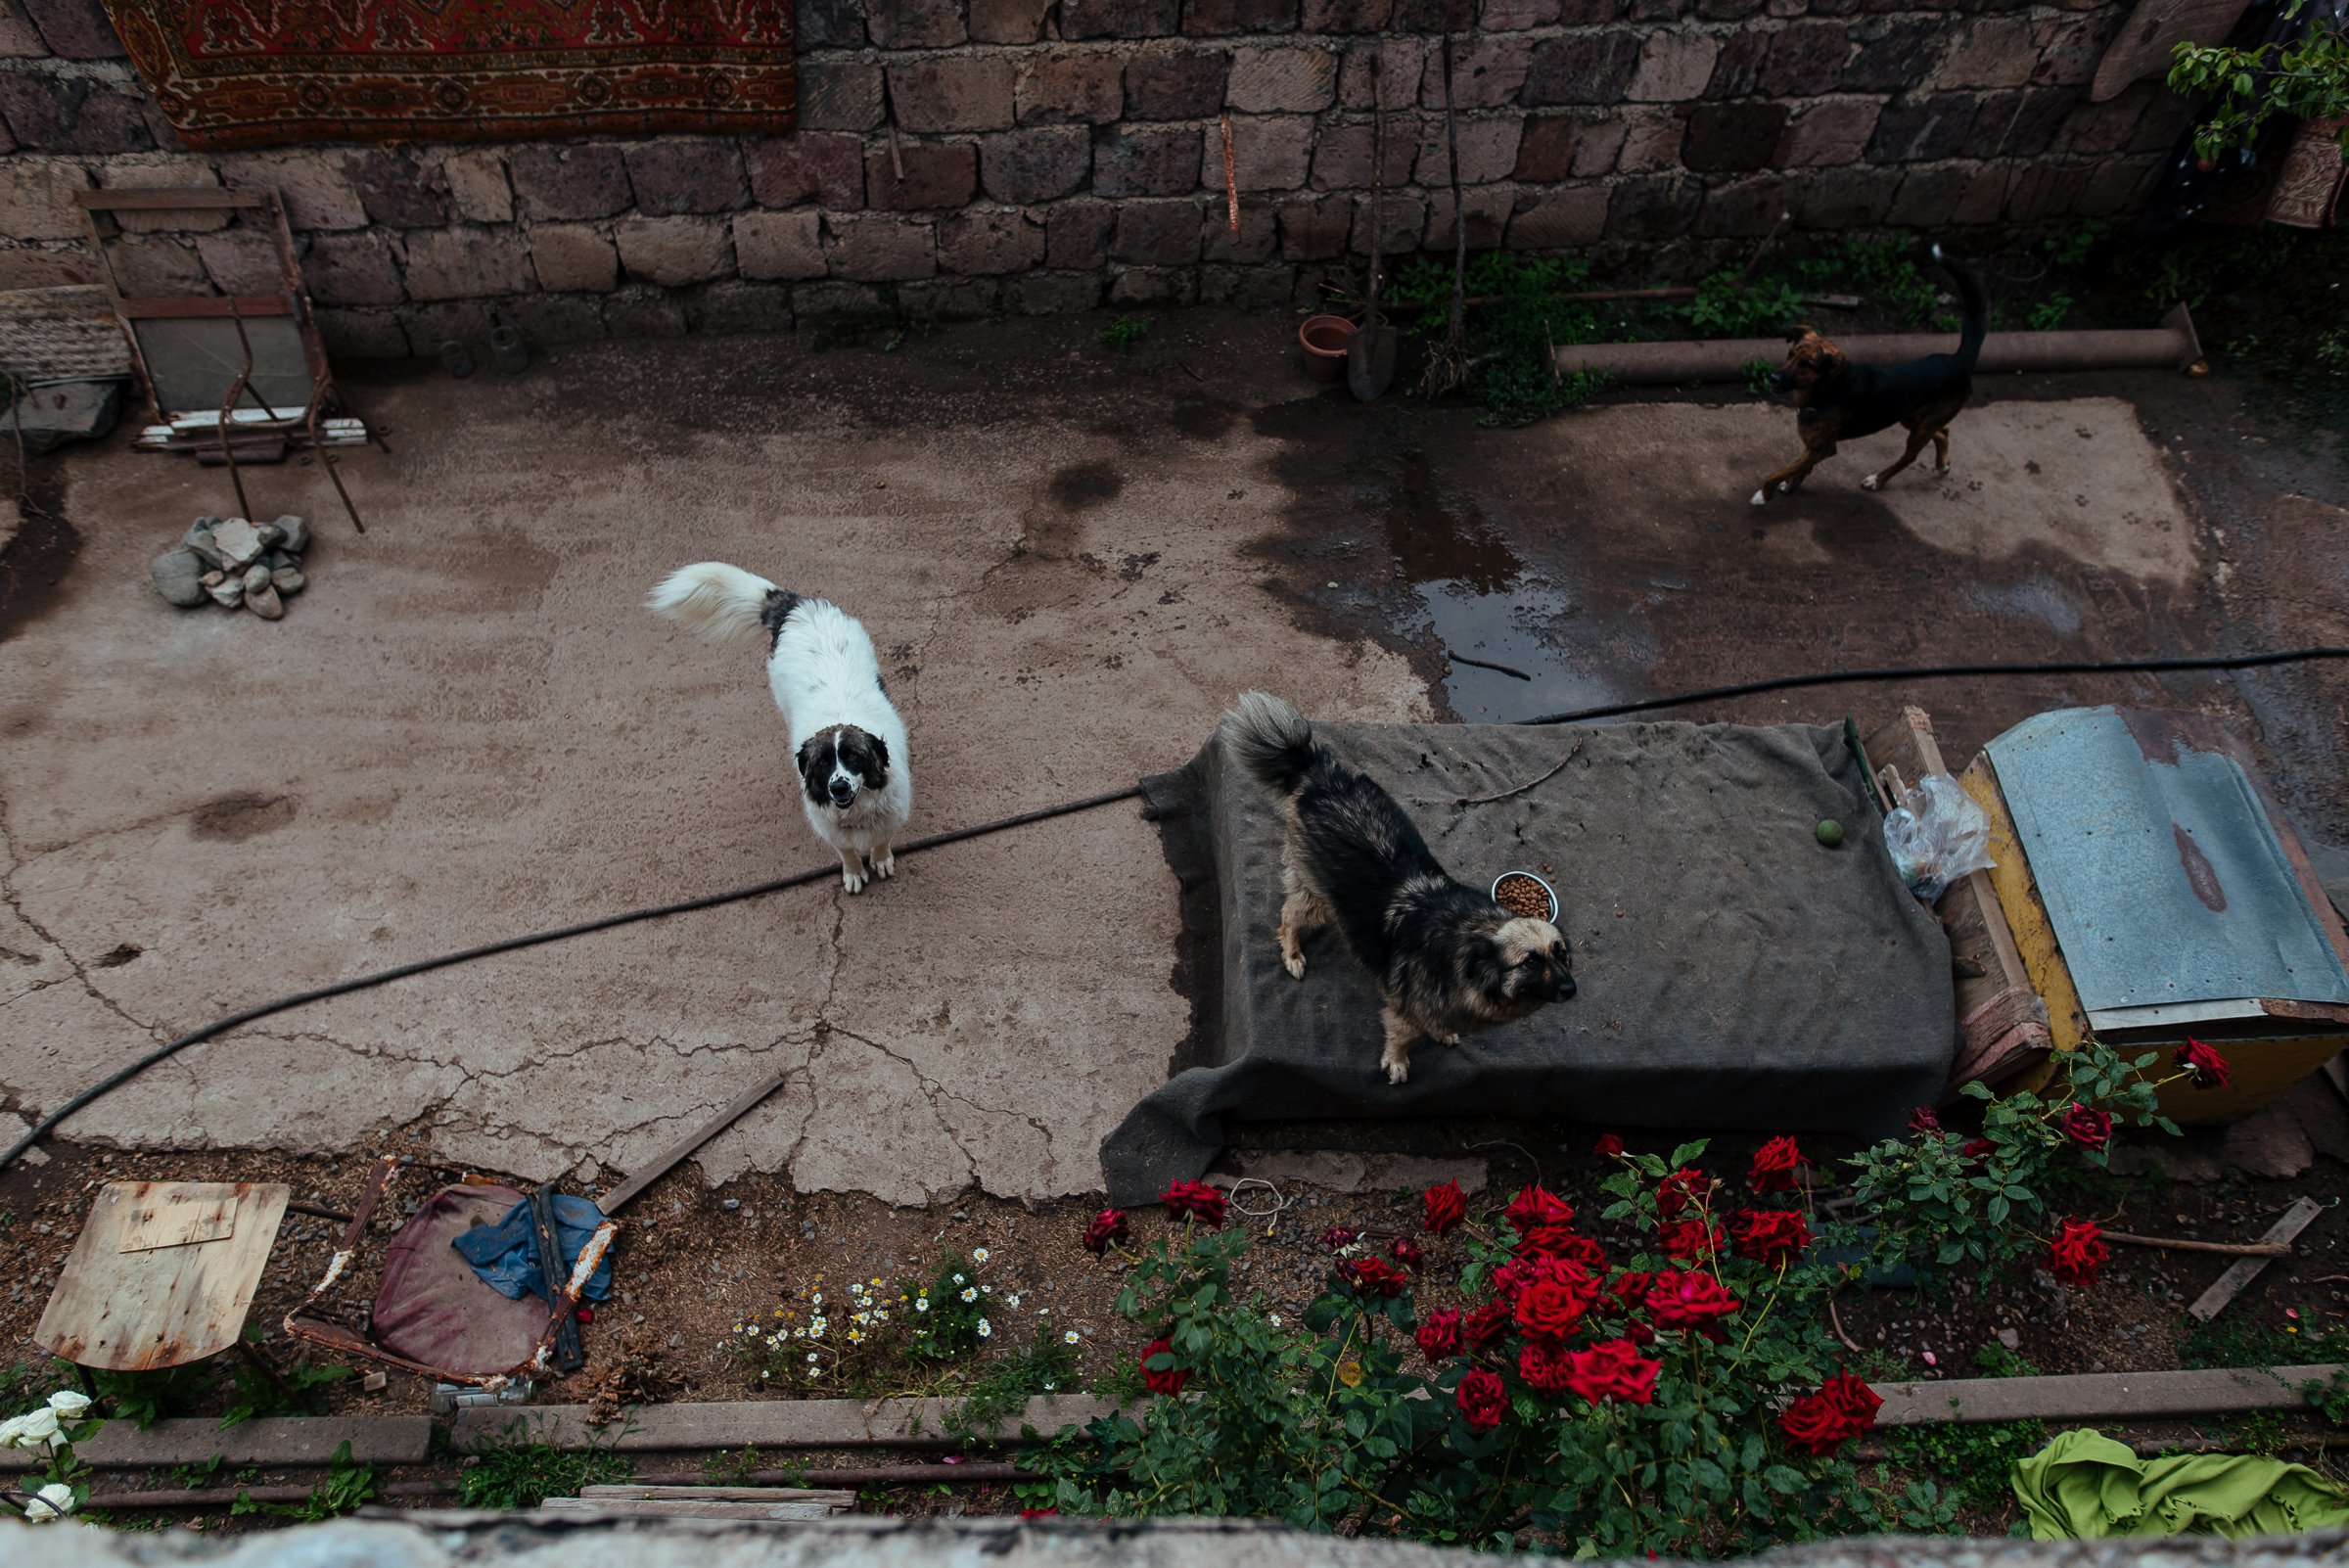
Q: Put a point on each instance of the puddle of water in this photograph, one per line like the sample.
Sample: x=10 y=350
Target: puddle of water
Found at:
x=1509 y=628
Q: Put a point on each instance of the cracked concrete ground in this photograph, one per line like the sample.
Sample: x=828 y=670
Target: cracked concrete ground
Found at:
x=467 y=727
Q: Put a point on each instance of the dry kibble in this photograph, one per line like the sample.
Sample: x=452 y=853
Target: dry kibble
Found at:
x=1522 y=896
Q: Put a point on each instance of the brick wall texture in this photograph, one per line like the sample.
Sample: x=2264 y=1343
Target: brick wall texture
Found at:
x=966 y=158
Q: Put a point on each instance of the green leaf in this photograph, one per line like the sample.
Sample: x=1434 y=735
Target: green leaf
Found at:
x=1688 y=1153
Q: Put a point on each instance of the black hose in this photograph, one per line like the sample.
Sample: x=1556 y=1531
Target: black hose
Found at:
x=490 y=949
x=1835 y=677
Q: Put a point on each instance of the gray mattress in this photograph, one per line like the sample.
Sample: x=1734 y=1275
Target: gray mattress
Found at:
x=1732 y=973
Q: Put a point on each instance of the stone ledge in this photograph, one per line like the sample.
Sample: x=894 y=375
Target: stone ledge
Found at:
x=286 y=1440
x=2099 y=1396
x=760 y=1424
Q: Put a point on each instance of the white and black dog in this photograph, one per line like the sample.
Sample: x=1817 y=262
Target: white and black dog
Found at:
x=855 y=779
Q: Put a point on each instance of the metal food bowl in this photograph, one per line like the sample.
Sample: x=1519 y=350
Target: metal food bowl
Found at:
x=1547 y=891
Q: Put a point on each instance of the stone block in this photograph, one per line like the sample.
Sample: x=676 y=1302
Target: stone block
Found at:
x=1488 y=151
x=1732 y=137
x=839 y=95
x=466 y=263
x=574 y=258
x=74 y=29
x=937 y=174
x=1401 y=217
x=830 y=24
x=1435 y=16
x=1923 y=128
x=73 y=115
x=1167 y=287
x=1738 y=68
x=1833 y=132
x=1259 y=237
x=1188 y=84
x=1515 y=16
x=247 y=261
x=1851 y=198
x=1750 y=207
x=164 y=174
x=2023 y=124
x=1036 y=166
x=990 y=240
x=1070 y=86
x=1653 y=208
x=1985 y=195
x=786 y=170
x=1209 y=18
x=674 y=251
x=1599 y=145
x=2071 y=47
x=1486 y=73
x=1545 y=152
x=1162 y=233
x=696 y=176
x=353 y=269
x=1674 y=66
x=1009 y=21
x=560 y=181
x=40 y=267
x=157 y=264
x=1342 y=155
x=1892 y=56
x=20 y=39
x=1806 y=60
x=879 y=247
x=1273 y=78
x=2165 y=120
x=361 y=335
x=1401 y=71
x=1247 y=288
x=1313 y=228
x=1346 y=16
x=395 y=191
x=952 y=93
x=1989 y=52
x=2121 y=185
x=735 y=306
x=1120 y=19
x=1145 y=161
x=1582 y=69
x=1488 y=210
x=779 y=245
x=852 y=302
x=313 y=186
x=644 y=314
x=1559 y=220
x=1054 y=294
x=954 y=299
x=1076 y=234
x=1930 y=198
x=2044 y=191
x=551 y=320
x=1727 y=10
x=1651 y=142
x=476 y=185
x=914 y=23
x=1270 y=152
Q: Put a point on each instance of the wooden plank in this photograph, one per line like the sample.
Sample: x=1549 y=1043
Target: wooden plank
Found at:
x=659 y=1508
x=2099 y=1396
x=830 y=1496
x=736 y=1109
x=165 y=307
x=759 y=1423
x=272 y=1441
x=2243 y=1271
x=177 y=1217
x=141 y=1311
x=2026 y=914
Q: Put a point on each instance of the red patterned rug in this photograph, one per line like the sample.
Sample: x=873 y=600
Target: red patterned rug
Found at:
x=257 y=72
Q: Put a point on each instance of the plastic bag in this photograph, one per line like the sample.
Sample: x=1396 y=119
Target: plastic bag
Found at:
x=1936 y=836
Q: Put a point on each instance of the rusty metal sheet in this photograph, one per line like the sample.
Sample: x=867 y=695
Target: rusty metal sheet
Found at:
x=2167 y=872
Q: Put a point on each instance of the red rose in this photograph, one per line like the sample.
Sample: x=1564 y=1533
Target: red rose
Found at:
x=1440 y=1335
x=1556 y=1241
x=1679 y=1299
x=1440 y=1208
x=1552 y=1309
x=2077 y=1252
x=1405 y=1250
x=1543 y=1367
x=1538 y=1206
x=2208 y=1066
x=1482 y=1401
x=1628 y=1290
x=1608 y=1146
x=1767 y=1234
x=1167 y=1380
x=1819 y=1423
x=2090 y=1129
x=1854 y=1398
x=1487 y=1323
x=1337 y=1238
x=1923 y=1120
x=1613 y=1370
x=1511 y=1279
x=1374 y=1276
x=1196 y=1199
x=1681 y=1189
x=1973 y=1151
x=1774 y=1166
x=1688 y=1240
x=1038 y=1513
x=1105 y=1230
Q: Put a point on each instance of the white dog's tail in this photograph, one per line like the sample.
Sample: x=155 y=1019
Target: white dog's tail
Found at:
x=1274 y=740
x=718 y=601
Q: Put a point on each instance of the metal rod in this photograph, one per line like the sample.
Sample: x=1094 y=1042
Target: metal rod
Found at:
x=236 y=389
x=2173 y=344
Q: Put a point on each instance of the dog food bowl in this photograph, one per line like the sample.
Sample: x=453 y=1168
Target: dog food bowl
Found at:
x=1548 y=892
x=1324 y=339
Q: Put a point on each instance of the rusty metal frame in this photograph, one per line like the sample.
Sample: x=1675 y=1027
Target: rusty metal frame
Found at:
x=335 y=1337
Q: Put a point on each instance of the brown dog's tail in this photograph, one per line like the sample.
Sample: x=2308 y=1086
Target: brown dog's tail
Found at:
x=1977 y=310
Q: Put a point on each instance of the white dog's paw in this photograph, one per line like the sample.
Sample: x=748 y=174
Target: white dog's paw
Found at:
x=1294 y=963
x=1448 y=1040
x=1941 y=470
x=1785 y=486
x=1761 y=500
x=887 y=866
x=1399 y=1072
x=854 y=880
x=1869 y=483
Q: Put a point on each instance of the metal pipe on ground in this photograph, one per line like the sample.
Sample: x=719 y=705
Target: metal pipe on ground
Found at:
x=867 y=1475
x=2173 y=344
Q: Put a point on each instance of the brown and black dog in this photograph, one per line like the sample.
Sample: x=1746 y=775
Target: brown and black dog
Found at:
x=1842 y=400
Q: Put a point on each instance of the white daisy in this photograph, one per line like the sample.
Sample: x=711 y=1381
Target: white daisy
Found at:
x=985 y=1329
x=922 y=1306
x=1069 y=1338
x=970 y=1295
x=980 y=1256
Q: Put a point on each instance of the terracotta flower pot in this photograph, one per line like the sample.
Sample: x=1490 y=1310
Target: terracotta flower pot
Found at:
x=1324 y=339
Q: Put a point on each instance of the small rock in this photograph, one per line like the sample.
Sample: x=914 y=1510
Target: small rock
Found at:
x=296 y=533
x=179 y=576
x=2011 y=1339
x=200 y=540
x=731 y=1204
x=238 y=542
x=676 y=1342
x=961 y=1215
x=210 y=578
x=375 y=1382
x=277 y=560
x=289 y=580
x=271 y=536
x=229 y=591
x=264 y=602
x=256 y=577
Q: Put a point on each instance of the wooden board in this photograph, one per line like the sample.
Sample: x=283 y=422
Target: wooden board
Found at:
x=161 y=1306
x=667 y=1509
x=2099 y=1396
x=178 y=1217
x=2243 y=1271
x=758 y=1423
x=833 y=1498
x=2144 y=46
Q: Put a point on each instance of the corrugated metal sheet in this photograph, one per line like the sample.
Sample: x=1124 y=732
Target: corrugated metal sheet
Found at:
x=2159 y=865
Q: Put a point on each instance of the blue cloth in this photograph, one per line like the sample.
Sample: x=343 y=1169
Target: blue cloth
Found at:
x=506 y=1254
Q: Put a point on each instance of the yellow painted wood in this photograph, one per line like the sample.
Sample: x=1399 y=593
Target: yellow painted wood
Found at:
x=2257 y=1071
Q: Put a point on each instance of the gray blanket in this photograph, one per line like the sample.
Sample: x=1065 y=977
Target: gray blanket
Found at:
x=1733 y=971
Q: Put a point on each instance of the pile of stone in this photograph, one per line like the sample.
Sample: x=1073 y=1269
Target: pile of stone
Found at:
x=231 y=562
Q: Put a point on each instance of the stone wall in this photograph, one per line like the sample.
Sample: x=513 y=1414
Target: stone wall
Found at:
x=969 y=156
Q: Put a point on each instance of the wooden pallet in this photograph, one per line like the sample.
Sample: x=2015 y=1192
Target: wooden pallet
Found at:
x=701 y=1503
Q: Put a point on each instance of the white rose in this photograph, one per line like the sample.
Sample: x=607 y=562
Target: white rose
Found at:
x=35 y=1430
x=53 y=1501
x=69 y=1404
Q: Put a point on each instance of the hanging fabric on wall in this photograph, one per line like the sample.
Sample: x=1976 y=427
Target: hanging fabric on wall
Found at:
x=234 y=74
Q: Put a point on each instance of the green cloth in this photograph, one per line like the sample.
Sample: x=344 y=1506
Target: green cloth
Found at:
x=2084 y=1486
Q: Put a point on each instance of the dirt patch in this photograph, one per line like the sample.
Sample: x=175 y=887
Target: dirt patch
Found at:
x=35 y=563
x=234 y=818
